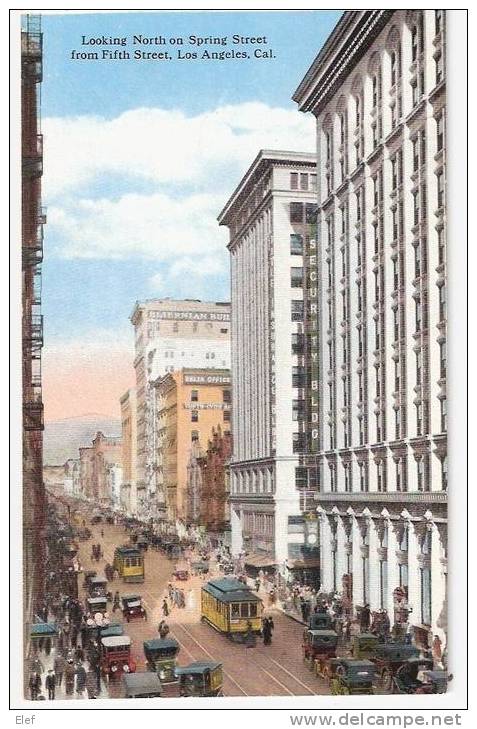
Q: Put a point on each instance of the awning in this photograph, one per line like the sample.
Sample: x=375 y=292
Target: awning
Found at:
x=309 y=564
x=258 y=560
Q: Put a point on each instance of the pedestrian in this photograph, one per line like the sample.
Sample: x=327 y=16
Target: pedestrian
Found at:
x=74 y=636
x=116 y=602
x=266 y=632
x=50 y=684
x=79 y=655
x=250 y=639
x=437 y=652
x=91 y=685
x=163 y=629
x=59 y=667
x=80 y=679
x=34 y=684
x=165 y=608
x=364 y=619
x=70 y=673
x=36 y=666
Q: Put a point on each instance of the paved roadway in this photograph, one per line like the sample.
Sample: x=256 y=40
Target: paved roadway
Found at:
x=276 y=670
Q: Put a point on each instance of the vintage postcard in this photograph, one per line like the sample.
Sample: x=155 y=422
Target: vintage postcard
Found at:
x=234 y=326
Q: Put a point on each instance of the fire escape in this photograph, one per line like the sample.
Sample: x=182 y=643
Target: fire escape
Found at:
x=33 y=219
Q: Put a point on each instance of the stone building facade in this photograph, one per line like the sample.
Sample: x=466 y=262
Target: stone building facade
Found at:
x=170 y=334
x=128 y=491
x=189 y=404
x=214 y=513
x=95 y=460
x=379 y=447
x=271 y=217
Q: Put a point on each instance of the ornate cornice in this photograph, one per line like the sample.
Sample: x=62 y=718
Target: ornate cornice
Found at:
x=347 y=44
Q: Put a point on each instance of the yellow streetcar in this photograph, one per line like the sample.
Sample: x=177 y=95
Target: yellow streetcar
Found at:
x=231 y=607
x=129 y=562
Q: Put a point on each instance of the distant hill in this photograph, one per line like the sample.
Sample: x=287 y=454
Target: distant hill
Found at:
x=62 y=438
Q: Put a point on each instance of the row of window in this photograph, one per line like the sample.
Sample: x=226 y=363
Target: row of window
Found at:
x=194 y=416
x=302 y=181
x=226 y=396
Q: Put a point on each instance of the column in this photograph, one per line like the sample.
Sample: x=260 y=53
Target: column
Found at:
x=326 y=563
x=395 y=557
x=439 y=582
x=414 y=577
x=374 y=566
x=341 y=567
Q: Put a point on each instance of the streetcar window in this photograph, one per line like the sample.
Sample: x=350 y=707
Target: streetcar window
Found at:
x=244 y=610
x=253 y=610
x=235 y=610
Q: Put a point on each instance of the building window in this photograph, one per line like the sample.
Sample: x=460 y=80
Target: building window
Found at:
x=297 y=310
x=194 y=416
x=227 y=416
x=297 y=278
x=298 y=343
x=224 y=331
x=298 y=377
x=440 y=190
x=194 y=395
x=311 y=213
x=194 y=435
x=439 y=68
x=313 y=183
x=298 y=409
x=444 y=473
x=296 y=212
x=226 y=396
x=294 y=180
x=440 y=132
x=438 y=18
x=381 y=476
x=443 y=415
x=303 y=181
x=301 y=477
x=363 y=477
x=299 y=442
x=175 y=326
x=296 y=244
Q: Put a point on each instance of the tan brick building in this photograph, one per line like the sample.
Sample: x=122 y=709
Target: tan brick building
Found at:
x=190 y=403
x=129 y=451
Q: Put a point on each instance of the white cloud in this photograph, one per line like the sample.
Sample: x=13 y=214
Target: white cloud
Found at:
x=190 y=166
x=166 y=146
x=144 y=226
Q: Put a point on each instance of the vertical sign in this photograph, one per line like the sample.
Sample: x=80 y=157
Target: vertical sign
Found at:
x=311 y=336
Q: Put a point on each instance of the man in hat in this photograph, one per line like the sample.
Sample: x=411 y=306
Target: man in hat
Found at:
x=50 y=684
x=59 y=665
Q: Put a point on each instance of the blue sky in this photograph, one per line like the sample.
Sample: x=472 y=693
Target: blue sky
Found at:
x=82 y=295
x=139 y=159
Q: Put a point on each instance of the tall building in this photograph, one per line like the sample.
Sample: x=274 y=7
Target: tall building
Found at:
x=214 y=514
x=170 y=334
x=190 y=404
x=128 y=497
x=378 y=448
x=271 y=217
x=96 y=473
x=33 y=218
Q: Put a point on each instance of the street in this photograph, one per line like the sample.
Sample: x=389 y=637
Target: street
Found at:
x=276 y=670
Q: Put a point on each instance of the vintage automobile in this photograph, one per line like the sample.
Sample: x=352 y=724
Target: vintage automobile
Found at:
x=142 y=542
x=161 y=654
x=365 y=645
x=200 y=568
x=321 y=621
x=98 y=587
x=352 y=676
x=181 y=575
x=96 y=519
x=201 y=678
x=388 y=658
x=132 y=607
x=437 y=679
x=111 y=630
x=408 y=678
x=96 y=605
x=116 y=656
x=142 y=685
x=129 y=562
x=231 y=607
x=318 y=645
x=88 y=576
